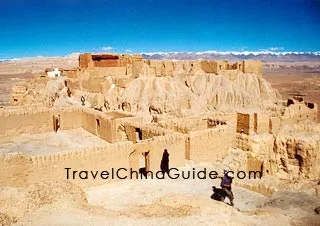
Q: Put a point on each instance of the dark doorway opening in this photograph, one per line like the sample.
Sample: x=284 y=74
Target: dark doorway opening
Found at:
x=144 y=164
x=98 y=127
x=56 y=123
x=138 y=134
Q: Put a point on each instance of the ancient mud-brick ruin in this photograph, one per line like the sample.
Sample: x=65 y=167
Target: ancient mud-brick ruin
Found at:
x=116 y=109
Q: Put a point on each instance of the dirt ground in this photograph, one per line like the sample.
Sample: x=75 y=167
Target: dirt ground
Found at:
x=154 y=202
x=296 y=81
x=49 y=142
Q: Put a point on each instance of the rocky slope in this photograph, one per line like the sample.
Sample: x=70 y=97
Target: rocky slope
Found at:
x=198 y=93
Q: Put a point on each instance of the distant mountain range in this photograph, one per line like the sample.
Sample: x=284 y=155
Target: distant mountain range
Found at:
x=264 y=56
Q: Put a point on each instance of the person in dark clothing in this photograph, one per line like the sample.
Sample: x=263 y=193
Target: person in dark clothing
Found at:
x=226 y=185
x=164 y=166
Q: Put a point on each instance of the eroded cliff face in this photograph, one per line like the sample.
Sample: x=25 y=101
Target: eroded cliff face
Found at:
x=197 y=94
x=297 y=155
x=172 y=87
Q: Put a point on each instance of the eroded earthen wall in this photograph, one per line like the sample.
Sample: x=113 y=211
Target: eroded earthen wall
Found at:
x=15 y=122
x=261 y=123
x=21 y=171
x=243 y=123
x=252 y=67
x=211 y=144
x=96 y=123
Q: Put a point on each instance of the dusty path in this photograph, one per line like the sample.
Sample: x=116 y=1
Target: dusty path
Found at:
x=166 y=202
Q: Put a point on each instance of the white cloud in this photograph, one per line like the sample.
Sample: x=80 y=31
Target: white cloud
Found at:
x=275 y=48
x=128 y=50
x=214 y=52
x=106 y=48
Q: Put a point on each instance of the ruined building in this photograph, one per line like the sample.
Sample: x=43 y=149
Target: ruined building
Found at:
x=115 y=110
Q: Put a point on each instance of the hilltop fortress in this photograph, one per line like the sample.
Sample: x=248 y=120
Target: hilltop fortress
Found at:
x=134 y=65
x=116 y=109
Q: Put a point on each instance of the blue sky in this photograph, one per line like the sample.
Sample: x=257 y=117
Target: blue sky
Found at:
x=60 y=27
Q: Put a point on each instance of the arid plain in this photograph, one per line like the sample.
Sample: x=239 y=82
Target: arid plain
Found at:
x=287 y=154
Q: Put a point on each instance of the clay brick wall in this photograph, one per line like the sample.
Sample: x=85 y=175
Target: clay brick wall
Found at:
x=303 y=111
x=131 y=133
x=243 y=122
x=252 y=66
x=96 y=123
x=254 y=164
x=261 y=123
x=24 y=170
x=34 y=121
x=85 y=60
x=211 y=144
x=274 y=125
x=107 y=63
x=168 y=67
x=69 y=118
x=18 y=122
x=209 y=66
x=108 y=71
x=70 y=73
x=121 y=81
x=174 y=143
x=152 y=131
x=137 y=68
x=96 y=85
x=118 y=129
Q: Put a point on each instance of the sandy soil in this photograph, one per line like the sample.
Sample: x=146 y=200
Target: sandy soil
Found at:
x=158 y=202
x=49 y=142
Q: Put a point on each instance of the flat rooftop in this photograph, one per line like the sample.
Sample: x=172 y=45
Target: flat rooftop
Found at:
x=50 y=142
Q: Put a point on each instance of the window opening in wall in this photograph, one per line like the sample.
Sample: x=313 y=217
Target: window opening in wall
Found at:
x=56 y=123
x=98 y=127
x=310 y=105
x=290 y=102
x=187 y=148
x=138 y=134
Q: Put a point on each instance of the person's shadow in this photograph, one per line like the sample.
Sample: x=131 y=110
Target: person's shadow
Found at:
x=218 y=194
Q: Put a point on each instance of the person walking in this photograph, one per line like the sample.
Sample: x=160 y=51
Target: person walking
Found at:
x=226 y=183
